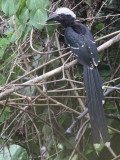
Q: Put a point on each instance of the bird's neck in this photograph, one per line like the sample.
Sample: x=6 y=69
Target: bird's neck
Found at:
x=68 y=23
x=77 y=27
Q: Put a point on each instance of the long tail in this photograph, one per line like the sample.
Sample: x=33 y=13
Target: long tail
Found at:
x=93 y=86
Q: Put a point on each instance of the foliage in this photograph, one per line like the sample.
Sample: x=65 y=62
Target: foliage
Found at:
x=37 y=116
x=14 y=152
x=26 y=14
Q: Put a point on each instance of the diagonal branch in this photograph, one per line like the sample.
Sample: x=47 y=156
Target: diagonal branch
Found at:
x=37 y=79
x=109 y=43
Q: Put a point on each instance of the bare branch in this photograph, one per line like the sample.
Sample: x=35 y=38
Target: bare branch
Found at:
x=108 y=35
x=37 y=79
x=42 y=53
x=109 y=43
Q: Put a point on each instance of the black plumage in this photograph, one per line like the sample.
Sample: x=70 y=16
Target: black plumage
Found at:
x=83 y=45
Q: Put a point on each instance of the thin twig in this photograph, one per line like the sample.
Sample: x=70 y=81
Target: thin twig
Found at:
x=42 y=53
x=109 y=43
x=116 y=158
x=75 y=122
x=108 y=35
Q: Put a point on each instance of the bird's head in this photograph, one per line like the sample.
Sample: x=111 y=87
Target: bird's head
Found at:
x=63 y=15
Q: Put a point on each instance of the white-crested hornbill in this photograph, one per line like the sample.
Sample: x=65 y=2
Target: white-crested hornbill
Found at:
x=83 y=45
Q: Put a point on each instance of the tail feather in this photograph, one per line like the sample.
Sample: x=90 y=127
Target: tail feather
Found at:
x=93 y=86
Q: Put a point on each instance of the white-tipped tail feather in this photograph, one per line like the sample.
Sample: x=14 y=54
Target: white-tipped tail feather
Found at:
x=96 y=145
x=93 y=86
x=107 y=144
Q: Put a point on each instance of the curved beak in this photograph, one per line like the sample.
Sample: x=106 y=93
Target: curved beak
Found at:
x=53 y=17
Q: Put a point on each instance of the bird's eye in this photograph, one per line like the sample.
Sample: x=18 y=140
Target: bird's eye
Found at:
x=61 y=16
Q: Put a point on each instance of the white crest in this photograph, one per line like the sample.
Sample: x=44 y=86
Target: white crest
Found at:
x=66 y=11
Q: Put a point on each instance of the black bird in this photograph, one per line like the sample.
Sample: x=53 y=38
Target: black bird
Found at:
x=83 y=45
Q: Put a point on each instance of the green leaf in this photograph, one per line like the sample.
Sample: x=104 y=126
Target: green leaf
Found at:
x=4 y=114
x=37 y=4
x=111 y=132
x=21 y=6
x=2 y=52
x=21 y=29
x=72 y=141
x=24 y=16
x=0 y=4
x=51 y=28
x=38 y=12
x=4 y=42
x=46 y=129
x=25 y=34
x=10 y=7
x=2 y=117
x=38 y=18
x=88 y=151
x=7 y=111
x=20 y=154
x=100 y=26
x=55 y=64
x=60 y=146
x=13 y=152
x=75 y=157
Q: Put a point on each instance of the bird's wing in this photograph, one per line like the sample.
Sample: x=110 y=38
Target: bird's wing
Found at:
x=92 y=48
x=76 y=42
x=83 y=46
